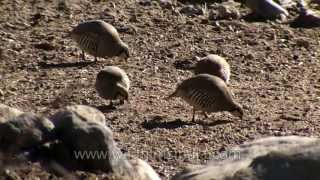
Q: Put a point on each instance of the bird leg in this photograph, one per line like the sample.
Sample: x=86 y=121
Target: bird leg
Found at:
x=193 y=115
x=83 y=56
x=111 y=105
x=205 y=115
x=121 y=102
x=95 y=59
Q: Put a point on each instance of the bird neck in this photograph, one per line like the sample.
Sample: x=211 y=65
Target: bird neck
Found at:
x=235 y=106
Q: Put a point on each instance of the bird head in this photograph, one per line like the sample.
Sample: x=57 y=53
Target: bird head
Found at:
x=124 y=52
x=123 y=93
x=237 y=111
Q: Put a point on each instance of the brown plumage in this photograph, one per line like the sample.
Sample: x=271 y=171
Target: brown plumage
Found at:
x=99 y=39
x=113 y=83
x=207 y=93
x=214 y=65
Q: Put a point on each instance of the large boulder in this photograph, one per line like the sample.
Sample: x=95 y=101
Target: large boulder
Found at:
x=90 y=144
x=273 y=158
x=85 y=113
x=7 y=113
x=24 y=131
x=143 y=171
x=140 y=170
x=88 y=141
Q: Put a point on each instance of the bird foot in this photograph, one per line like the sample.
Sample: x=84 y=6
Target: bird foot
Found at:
x=111 y=106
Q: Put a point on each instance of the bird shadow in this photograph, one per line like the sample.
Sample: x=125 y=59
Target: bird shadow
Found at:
x=213 y=123
x=106 y=108
x=177 y=123
x=45 y=65
x=155 y=123
x=252 y=17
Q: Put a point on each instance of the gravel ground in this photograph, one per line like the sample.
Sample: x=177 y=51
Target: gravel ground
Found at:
x=275 y=76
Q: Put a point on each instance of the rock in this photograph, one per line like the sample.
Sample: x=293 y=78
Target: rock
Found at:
x=10 y=175
x=273 y=158
x=224 y=12
x=23 y=132
x=267 y=9
x=166 y=3
x=192 y=10
x=143 y=170
x=228 y=10
x=89 y=141
x=303 y=42
x=86 y=113
x=7 y=113
x=91 y=145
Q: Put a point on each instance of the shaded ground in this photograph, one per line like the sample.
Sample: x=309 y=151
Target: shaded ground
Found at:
x=275 y=76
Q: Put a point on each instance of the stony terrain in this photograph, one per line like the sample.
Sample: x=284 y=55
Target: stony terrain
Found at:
x=275 y=76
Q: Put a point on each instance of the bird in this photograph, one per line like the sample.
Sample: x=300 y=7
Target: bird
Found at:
x=215 y=65
x=207 y=93
x=267 y=8
x=99 y=39
x=113 y=83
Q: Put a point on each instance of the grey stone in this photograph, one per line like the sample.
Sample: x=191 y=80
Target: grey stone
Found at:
x=89 y=145
x=143 y=171
x=25 y=131
x=85 y=113
x=88 y=136
x=166 y=3
x=273 y=158
x=7 y=113
x=192 y=10
x=226 y=10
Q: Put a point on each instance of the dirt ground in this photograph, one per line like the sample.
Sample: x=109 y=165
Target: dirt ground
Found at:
x=275 y=76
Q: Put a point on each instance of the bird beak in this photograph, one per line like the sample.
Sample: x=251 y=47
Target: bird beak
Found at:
x=123 y=56
x=128 y=101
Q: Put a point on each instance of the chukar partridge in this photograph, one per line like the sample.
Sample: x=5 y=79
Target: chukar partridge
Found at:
x=207 y=93
x=99 y=39
x=113 y=83
x=214 y=65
